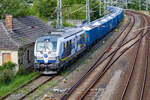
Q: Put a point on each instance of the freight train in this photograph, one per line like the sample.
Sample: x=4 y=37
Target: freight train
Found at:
x=53 y=52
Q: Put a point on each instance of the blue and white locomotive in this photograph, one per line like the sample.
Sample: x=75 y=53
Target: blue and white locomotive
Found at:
x=52 y=52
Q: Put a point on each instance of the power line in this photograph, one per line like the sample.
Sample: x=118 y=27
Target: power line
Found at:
x=78 y=9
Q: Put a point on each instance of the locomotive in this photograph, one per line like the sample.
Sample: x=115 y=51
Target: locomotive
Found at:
x=53 y=52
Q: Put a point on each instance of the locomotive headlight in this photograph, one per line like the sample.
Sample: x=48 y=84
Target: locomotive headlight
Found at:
x=38 y=58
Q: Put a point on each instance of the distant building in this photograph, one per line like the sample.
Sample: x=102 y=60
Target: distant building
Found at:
x=17 y=38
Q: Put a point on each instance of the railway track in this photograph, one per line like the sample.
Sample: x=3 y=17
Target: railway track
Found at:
x=145 y=87
x=127 y=93
x=107 y=64
x=28 y=88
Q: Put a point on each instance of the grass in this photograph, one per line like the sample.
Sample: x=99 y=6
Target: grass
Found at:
x=16 y=82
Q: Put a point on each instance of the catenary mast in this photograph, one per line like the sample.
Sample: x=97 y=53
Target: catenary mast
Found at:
x=59 y=24
x=88 y=10
x=139 y=4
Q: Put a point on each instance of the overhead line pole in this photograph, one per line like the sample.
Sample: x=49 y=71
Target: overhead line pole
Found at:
x=59 y=24
x=110 y=2
x=126 y=4
x=88 y=11
x=61 y=18
x=147 y=5
x=139 y=4
x=100 y=11
x=116 y=3
x=104 y=7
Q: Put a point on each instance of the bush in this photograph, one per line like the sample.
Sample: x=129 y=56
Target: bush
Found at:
x=8 y=65
x=6 y=72
x=6 y=75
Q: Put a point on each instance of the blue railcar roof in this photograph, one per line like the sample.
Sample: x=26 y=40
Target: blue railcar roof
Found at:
x=114 y=12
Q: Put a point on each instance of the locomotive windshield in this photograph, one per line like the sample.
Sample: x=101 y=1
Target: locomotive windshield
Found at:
x=47 y=46
x=47 y=43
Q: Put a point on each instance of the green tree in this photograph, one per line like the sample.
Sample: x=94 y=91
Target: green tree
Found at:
x=17 y=8
x=134 y=5
x=94 y=10
x=44 y=8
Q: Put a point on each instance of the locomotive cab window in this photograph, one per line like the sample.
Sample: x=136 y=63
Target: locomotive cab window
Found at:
x=47 y=45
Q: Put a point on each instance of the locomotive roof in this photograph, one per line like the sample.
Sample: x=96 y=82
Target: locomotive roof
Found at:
x=68 y=32
x=52 y=37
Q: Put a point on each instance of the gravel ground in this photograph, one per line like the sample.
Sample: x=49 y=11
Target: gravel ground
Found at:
x=111 y=86
x=76 y=75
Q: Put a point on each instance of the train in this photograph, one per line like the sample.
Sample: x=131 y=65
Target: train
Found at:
x=54 y=51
